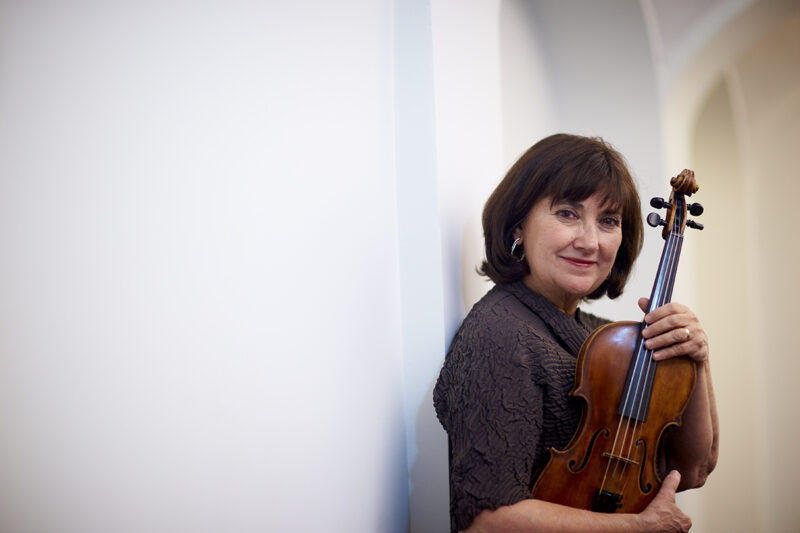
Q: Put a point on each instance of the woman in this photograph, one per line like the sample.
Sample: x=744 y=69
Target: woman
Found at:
x=564 y=225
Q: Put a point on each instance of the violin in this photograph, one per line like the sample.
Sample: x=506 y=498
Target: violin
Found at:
x=630 y=400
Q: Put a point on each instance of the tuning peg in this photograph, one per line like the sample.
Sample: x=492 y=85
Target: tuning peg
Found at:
x=695 y=209
x=658 y=203
x=655 y=220
x=693 y=224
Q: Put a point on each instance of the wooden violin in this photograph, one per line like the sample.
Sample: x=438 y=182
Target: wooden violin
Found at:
x=631 y=401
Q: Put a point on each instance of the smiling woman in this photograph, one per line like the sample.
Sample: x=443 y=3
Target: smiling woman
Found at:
x=573 y=246
x=564 y=225
x=562 y=169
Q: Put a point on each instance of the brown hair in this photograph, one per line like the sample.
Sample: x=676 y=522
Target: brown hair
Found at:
x=561 y=167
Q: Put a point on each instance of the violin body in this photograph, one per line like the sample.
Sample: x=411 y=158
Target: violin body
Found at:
x=631 y=401
x=602 y=468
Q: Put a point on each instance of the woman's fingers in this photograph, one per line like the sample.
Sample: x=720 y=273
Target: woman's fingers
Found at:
x=674 y=330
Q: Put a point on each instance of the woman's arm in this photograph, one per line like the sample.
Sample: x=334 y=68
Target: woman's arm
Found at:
x=674 y=330
x=661 y=516
x=692 y=448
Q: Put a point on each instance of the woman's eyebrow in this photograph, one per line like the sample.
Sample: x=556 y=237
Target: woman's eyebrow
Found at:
x=612 y=211
x=571 y=203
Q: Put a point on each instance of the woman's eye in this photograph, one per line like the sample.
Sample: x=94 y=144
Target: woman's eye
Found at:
x=567 y=213
x=611 y=221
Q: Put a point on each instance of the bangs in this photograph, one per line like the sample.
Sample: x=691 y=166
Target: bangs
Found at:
x=575 y=183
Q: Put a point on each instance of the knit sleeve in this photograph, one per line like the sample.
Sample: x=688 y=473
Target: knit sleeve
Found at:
x=488 y=401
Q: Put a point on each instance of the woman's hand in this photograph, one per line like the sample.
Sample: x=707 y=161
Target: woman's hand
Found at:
x=662 y=515
x=673 y=330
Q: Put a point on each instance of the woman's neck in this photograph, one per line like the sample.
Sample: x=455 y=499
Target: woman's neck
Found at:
x=565 y=303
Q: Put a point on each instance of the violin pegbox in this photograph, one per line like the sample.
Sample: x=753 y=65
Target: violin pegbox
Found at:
x=675 y=222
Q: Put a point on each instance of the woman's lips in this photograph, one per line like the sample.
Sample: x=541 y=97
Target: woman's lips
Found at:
x=581 y=263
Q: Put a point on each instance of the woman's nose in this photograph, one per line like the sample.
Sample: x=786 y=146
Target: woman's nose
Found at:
x=586 y=239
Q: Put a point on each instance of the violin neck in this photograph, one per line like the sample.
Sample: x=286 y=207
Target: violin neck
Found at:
x=667 y=268
x=635 y=401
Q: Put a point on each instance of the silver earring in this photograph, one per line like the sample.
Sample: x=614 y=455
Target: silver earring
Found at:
x=513 y=247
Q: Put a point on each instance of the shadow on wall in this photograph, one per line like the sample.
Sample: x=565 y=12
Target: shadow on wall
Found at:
x=429 y=495
x=473 y=285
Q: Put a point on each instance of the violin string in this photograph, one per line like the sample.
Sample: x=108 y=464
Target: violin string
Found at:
x=614 y=444
x=633 y=385
x=632 y=419
x=617 y=474
x=641 y=369
x=642 y=364
x=673 y=272
x=663 y=296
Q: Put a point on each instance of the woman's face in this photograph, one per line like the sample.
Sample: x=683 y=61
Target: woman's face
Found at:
x=570 y=248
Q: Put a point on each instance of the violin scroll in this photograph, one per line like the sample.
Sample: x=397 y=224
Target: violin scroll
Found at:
x=684 y=184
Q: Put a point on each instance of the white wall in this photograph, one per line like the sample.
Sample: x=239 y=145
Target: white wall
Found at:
x=200 y=312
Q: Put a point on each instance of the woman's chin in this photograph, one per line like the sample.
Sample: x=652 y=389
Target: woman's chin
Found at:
x=582 y=287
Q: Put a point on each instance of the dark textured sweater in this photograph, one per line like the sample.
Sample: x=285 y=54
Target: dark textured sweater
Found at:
x=503 y=396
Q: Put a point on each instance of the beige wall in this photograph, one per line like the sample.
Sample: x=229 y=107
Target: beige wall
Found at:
x=722 y=270
x=745 y=146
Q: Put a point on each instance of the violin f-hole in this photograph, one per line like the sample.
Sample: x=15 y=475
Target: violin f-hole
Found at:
x=606 y=432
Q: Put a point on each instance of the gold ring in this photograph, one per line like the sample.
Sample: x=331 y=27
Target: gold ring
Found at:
x=688 y=334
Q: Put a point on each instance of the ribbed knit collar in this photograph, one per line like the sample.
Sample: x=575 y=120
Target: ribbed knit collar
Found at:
x=571 y=331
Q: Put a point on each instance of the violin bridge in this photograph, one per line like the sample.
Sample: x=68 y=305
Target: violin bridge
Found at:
x=621 y=459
